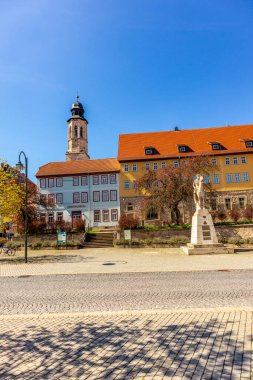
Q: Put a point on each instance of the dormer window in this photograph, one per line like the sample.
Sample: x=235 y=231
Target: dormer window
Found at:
x=248 y=143
x=215 y=145
x=149 y=150
x=183 y=148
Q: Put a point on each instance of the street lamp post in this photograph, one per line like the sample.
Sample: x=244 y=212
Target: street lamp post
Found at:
x=20 y=167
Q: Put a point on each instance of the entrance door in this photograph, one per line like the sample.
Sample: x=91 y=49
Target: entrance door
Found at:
x=75 y=216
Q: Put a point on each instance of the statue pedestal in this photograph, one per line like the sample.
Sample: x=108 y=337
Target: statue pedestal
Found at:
x=204 y=240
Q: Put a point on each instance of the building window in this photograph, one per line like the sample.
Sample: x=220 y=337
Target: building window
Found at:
x=249 y=144
x=84 y=180
x=227 y=161
x=59 y=198
x=105 y=196
x=114 y=215
x=130 y=207
x=84 y=197
x=228 y=203
x=134 y=167
x=76 y=181
x=106 y=216
x=245 y=177
x=155 y=165
x=113 y=195
x=241 y=203
x=81 y=131
x=126 y=168
x=50 y=199
x=59 y=182
x=182 y=149
x=76 y=197
x=104 y=179
x=207 y=179
x=148 y=151
x=75 y=132
x=50 y=182
x=163 y=165
x=243 y=160
x=96 y=196
x=43 y=216
x=95 y=180
x=59 y=216
x=214 y=161
x=126 y=184
x=237 y=177
x=96 y=215
x=152 y=214
x=50 y=217
x=229 y=178
x=147 y=166
x=235 y=160
x=112 y=178
x=134 y=184
x=215 y=146
x=216 y=178
x=176 y=163
x=43 y=183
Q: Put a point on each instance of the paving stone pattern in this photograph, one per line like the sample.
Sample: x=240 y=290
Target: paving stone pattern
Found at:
x=134 y=345
x=133 y=291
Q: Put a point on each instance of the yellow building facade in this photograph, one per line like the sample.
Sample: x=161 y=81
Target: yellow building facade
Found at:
x=230 y=148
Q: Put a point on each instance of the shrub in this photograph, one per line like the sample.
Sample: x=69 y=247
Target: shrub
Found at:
x=235 y=240
x=79 y=225
x=223 y=239
x=248 y=212
x=221 y=215
x=234 y=215
x=128 y=221
x=36 y=245
x=2 y=241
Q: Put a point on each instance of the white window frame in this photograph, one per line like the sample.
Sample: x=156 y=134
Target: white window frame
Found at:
x=126 y=168
x=134 y=167
x=227 y=160
x=243 y=160
x=155 y=165
x=127 y=184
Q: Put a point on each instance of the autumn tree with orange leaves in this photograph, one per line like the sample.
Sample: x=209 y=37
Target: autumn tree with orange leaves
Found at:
x=165 y=189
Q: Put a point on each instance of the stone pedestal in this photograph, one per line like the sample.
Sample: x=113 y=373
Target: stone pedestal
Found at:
x=204 y=240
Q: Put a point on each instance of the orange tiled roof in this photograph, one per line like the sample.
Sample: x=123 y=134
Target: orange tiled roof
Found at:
x=132 y=146
x=63 y=168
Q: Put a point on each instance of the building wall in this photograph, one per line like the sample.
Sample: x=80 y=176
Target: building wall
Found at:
x=239 y=164
x=87 y=205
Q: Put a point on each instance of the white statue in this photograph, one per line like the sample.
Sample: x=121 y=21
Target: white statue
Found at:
x=198 y=192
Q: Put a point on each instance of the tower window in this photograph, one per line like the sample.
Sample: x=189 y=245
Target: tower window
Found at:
x=81 y=132
x=75 y=132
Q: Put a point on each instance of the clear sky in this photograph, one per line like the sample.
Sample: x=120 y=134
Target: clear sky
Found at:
x=138 y=66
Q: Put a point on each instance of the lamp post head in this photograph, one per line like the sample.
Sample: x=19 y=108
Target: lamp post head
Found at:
x=20 y=166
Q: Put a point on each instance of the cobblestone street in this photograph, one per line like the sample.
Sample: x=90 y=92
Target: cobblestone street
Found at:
x=156 y=325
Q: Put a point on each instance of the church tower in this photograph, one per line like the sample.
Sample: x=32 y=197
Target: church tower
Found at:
x=77 y=134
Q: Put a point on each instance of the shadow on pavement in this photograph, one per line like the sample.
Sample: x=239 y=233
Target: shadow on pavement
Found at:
x=130 y=347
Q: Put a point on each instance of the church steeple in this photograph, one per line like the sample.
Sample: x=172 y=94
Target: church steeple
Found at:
x=77 y=133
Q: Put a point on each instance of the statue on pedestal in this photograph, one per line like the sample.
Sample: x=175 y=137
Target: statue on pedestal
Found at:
x=198 y=192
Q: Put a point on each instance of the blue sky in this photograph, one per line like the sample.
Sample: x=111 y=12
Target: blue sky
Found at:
x=138 y=66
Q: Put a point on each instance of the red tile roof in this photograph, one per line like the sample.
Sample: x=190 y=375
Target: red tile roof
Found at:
x=132 y=146
x=107 y=165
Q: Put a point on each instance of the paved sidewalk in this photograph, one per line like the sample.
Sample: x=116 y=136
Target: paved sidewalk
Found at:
x=119 y=260
x=209 y=344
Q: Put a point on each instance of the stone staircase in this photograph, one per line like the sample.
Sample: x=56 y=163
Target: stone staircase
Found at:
x=99 y=240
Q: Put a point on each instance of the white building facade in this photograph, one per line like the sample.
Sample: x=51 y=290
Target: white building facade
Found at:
x=82 y=189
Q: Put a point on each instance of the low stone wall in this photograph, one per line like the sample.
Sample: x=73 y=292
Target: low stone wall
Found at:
x=47 y=237
x=241 y=231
